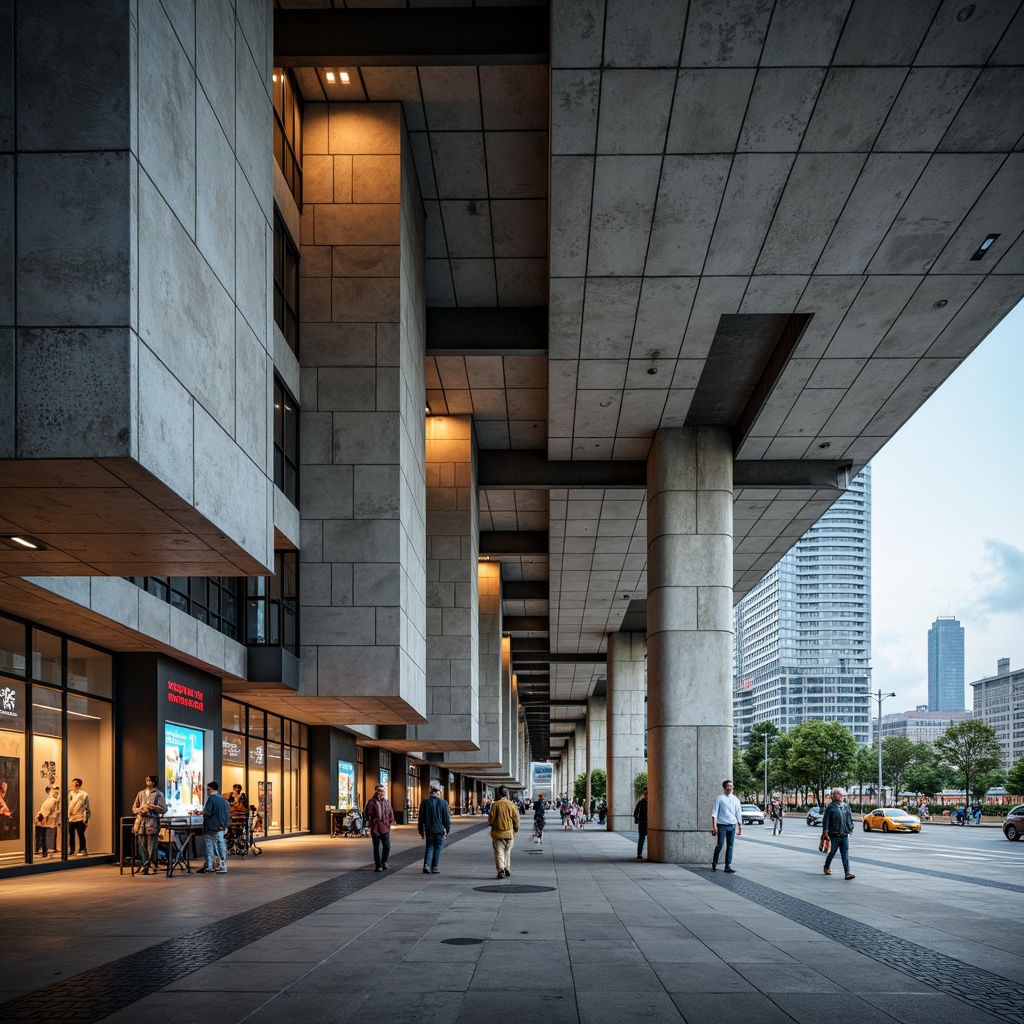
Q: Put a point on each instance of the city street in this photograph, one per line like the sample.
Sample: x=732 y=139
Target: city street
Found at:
x=982 y=853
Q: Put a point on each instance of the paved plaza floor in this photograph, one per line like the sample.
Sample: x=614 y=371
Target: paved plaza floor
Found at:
x=308 y=932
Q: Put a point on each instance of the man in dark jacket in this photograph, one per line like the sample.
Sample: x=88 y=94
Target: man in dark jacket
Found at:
x=378 y=817
x=837 y=824
x=216 y=815
x=435 y=823
x=640 y=817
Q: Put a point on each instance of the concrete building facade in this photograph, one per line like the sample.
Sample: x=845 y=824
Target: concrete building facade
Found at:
x=999 y=702
x=310 y=314
x=946 y=665
x=803 y=634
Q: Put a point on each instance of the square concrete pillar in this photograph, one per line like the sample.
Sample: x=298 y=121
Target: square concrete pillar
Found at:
x=453 y=603
x=689 y=636
x=626 y=710
x=364 y=450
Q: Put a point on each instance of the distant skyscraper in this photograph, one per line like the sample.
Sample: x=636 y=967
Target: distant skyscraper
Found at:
x=803 y=634
x=946 y=665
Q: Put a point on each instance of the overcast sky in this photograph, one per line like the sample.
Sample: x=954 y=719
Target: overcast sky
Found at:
x=948 y=523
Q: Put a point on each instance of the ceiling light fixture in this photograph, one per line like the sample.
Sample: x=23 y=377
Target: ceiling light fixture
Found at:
x=825 y=444
x=941 y=304
x=343 y=75
x=330 y=76
x=24 y=541
x=985 y=246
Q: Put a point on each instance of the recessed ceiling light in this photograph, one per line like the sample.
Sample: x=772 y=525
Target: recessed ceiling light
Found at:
x=941 y=304
x=330 y=76
x=965 y=12
x=24 y=541
x=985 y=246
x=825 y=444
x=344 y=77
x=652 y=370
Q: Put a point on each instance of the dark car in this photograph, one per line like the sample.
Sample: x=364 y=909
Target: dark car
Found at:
x=1013 y=827
x=814 y=816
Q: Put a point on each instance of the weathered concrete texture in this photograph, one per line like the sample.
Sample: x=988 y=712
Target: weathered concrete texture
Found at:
x=626 y=710
x=489 y=754
x=689 y=636
x=453 y=541
x=597 y=738
x=362 y=385
x=141 y=267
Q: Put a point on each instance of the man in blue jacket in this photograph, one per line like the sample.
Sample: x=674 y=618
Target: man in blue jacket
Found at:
x=837 y=824
x=434 y=823
x=216 y=815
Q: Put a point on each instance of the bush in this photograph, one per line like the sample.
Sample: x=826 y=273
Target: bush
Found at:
x=639 y=784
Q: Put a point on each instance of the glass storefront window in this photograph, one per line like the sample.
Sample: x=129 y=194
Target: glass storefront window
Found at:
x=14 y=771
x=90 y=739
x=274 y=799
x=90 y=671
x=47 y=658
x=47 y=785
x=12 y=647
x=274 y=728
x=233 y=715
x=256 y=718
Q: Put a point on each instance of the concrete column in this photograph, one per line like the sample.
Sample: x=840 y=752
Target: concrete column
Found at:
x=627 y=687
x=596 y=726
x=580 y=746
x=689 y=636
x=363 y=578
x=453 y=603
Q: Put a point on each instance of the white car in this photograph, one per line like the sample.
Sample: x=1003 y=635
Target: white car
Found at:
x=752 y=814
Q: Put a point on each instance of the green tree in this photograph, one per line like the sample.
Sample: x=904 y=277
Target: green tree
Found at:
x=927 y=775
x=780 y=775
x=1015 y=778
x=754 y=754
x=865 y=768
x=986 y=781
x=639 y=783
x=823 y=755
x=598 y=786
x=970 y=748
x=898 y=754
x=745 y=781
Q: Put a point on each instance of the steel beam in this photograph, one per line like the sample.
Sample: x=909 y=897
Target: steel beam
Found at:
x=483 y=331
x=411 y=37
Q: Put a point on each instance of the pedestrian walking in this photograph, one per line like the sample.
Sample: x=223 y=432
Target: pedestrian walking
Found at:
x=727 y=824
x=435 y=822
x=378 y=817
x=778 y=816
x=148 y=808
x=504 y=822
x=216 y=815
x=837 y=824
x=79 y=813
x=640 y=817
x=539 y=811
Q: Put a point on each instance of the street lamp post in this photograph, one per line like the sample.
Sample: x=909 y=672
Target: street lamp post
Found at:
x=880 y=697
x=766 y=771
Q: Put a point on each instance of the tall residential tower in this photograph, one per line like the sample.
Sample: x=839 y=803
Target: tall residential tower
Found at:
x=803 y=634
x=946 y=665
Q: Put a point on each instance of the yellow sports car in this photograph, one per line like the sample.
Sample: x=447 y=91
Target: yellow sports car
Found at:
x=891 y=819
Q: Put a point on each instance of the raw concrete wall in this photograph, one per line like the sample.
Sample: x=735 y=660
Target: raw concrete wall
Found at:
x=362 y=477
x=453 y=542
x=134 y=296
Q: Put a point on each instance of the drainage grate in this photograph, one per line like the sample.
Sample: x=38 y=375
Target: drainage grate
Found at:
x=513 y=890
x=96 y=994
x=462 y=942
x=980 y=988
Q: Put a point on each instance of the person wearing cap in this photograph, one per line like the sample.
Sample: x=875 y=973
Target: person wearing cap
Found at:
x=435 y=822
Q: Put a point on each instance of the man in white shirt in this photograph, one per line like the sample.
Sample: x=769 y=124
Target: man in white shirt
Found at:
x=726 y=823
x=79 y=813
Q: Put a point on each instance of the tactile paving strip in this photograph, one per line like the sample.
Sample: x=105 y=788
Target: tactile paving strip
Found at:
x=96 y=994
x=982 y=989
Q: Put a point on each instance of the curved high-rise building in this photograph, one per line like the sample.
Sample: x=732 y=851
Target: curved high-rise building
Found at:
x=946 y=665
x=803 y=634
